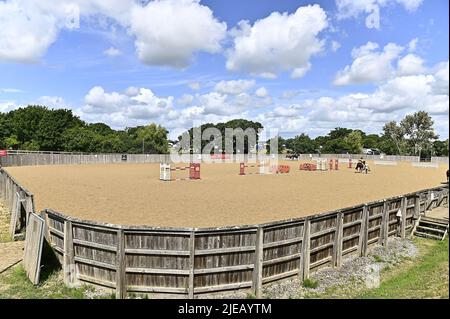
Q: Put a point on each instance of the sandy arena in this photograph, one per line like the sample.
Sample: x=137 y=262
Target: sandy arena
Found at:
x=132 y=194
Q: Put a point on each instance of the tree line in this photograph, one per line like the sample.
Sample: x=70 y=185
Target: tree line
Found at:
x=38 y=128
x=414 y=135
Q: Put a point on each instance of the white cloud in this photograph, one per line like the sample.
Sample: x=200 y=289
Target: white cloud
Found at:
x=51 y=101
x=98 y=101
x=335 y=46
x=10 y=90
x=279 y=42
x=234 y=86
x=371 y=8
x=261 y=92
x=25 y=32
x=289 y=94
x=169 y=32
x=194 y=86
x=185 y=99
x=29 y=28
x=369 y=64
x=410 y=64
x=112 y=52
x=412 y=45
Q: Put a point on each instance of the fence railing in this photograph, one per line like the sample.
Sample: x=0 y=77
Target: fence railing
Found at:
x=19 y=202
x=28 y=158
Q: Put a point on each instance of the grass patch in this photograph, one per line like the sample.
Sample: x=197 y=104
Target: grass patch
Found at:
x=426 y=277
x=14 y=284
x=310 y=283
x=377 y=259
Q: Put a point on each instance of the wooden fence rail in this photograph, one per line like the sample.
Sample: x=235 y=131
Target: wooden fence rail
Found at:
x=189 y=262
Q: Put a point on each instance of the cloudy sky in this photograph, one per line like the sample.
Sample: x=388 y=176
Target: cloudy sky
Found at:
x=296 y=66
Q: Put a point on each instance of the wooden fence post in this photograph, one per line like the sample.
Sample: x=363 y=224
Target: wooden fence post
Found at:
x=403 y=218
x=416 y=206
x=305 y=249
x=69 y=255
x=363 y=238
x=191 y=265
x=121 y=289
x=258 y=267
x=385 y=224
x=337 y=248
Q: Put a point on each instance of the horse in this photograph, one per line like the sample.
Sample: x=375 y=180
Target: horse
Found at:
x=362 y=167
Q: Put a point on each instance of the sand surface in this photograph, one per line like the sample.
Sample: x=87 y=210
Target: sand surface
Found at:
x=132 y=194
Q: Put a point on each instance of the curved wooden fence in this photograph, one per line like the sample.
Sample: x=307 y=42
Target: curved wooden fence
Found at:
x=188 y=261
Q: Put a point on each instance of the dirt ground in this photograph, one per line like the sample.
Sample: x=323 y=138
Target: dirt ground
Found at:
x=132 y=194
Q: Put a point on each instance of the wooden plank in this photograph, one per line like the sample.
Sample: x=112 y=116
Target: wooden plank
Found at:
x=220 y=251
x=283 y=242
x=94 y=245
x=338 y=240
x=191 y=265
x=258 y=263
x=323 y=232
x=321 y=262
x=15 y=215
x=281 y=259
x=384 y=225
x=95 y=281
x=353 y=223
x=350 y=237
x=167 y=290
x=157 y=271
x=56 y=231
x=349 y=250
x=280 y=276
x=364 y=232
x=322 y=247
x=156 y=252
x=121 y=285
x=94 y=263
x=33 y=247
x=68 y=257
x=233 y=286
x=403 y=218
x=223 y=269
x=305 y=259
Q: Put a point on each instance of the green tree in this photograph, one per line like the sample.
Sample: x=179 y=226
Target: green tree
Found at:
x=301 y=144
x=394 y=134
x=353 y=142
x=419 y=132
x=153 y=138
x=52 y=126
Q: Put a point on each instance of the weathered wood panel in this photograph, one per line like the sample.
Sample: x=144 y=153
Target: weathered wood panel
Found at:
x=33 y=247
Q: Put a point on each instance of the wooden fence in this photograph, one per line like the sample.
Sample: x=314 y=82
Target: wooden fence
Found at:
x=19 y=202
x=28 y=158
x=189 y=262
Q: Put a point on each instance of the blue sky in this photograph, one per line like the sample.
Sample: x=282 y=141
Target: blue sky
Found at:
x=295 y=66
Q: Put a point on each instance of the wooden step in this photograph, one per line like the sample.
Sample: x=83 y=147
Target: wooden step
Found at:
x=431 y=229
x=433 y=222
x=426 y=235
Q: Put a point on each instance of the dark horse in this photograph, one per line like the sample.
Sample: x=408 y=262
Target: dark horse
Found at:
x=362 y=167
